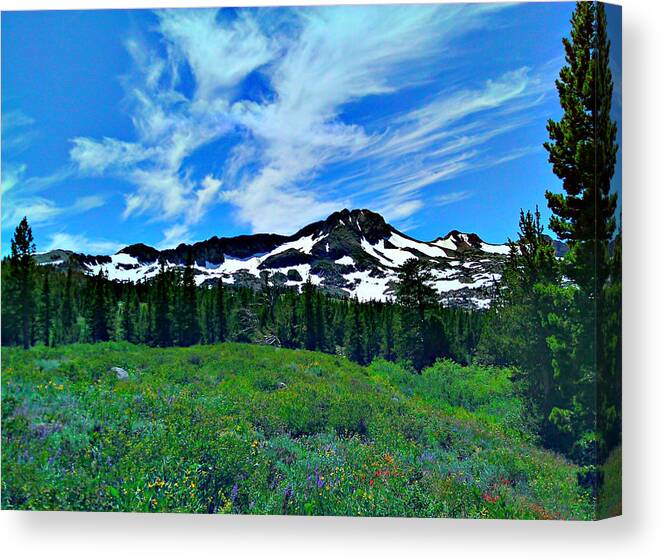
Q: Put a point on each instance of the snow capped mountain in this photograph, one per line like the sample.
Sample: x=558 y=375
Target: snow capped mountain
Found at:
x=350 y=253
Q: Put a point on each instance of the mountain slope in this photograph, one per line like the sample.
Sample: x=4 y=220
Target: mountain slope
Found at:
x=353 y=253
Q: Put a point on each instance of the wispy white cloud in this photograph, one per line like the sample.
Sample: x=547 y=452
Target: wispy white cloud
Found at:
x=96 y=157
x=205 y=197
x=38 y=210
x=175 y=235
x=170 y=126
x=220 y=56
x=21 y=192
x=315 y=62
x=17 y=132
x=20 y=198
x=81 y=244
x=340 y=55
x=445 y=138
x=85 y=203
x=451 y=198
x=11 y=176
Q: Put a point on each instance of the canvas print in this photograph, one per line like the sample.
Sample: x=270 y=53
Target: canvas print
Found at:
x=334 y=260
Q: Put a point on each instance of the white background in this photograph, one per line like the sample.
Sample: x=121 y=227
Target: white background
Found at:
x=637 y=534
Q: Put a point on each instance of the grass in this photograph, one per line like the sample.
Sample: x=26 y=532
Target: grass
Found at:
x=237 y=428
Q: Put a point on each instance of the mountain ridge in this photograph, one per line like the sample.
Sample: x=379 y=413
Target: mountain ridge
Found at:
x=350 y=253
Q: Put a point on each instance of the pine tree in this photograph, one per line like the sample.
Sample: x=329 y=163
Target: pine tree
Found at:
x=388 y=333
x=355 y=350
x=128 y=316
x=98 y=316
x=11 y=317
x=66 y=310
x=519 y=330
x=22 y=251
x=415 y=297
x=46 y=311
x=583 y=152
x=371 y=333
x=143 y=333
x=308 y=314
x=187 y=313
x=290 y=331
x=162 y=328
x=220 y=318
x=320 y=322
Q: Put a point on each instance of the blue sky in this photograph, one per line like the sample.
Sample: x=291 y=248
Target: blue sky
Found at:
x=172 y=126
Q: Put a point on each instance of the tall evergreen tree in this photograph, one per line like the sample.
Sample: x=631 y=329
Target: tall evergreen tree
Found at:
x=187 y=312
x=583 y=151
x=128 y=316
x=220 y=317
x=45 y=319
x=11 y=320
x=308 y=314
x=98 y=313
x=388 y=333
x=162 y=320
x=353 y=343
x=415 y=297
x=519 y=331
x=22 y=251
x=66 y=310
x=320 y=322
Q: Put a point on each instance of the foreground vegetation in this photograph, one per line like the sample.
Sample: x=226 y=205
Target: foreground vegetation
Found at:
x=238 y=428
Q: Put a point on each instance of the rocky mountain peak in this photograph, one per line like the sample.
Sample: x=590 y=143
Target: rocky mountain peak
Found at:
x=350 y=253
x=358 y=222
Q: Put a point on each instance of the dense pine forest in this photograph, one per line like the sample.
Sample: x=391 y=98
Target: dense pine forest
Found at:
x=172 y=311
x=555 y=323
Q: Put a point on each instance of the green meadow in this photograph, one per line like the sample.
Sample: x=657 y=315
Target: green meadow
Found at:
x=249 y=429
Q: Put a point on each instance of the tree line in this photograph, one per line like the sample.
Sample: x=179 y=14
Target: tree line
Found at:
x=42 y=306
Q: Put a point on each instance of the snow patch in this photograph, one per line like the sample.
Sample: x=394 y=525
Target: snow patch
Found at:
x=495 y=249
x=424 y=248
x=368 y=288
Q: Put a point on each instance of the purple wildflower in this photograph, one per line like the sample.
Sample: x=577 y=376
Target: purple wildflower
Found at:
x=427 y=456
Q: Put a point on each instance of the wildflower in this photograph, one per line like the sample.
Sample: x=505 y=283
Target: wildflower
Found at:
x=489 y=498
x=234 y=493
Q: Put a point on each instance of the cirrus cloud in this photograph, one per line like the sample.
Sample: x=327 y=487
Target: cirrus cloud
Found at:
x=280 y=141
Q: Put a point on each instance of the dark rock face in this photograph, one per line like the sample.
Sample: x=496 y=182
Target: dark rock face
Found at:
x=294 y=275
x=350 y=253
x=290 y=257
x=144 y=253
